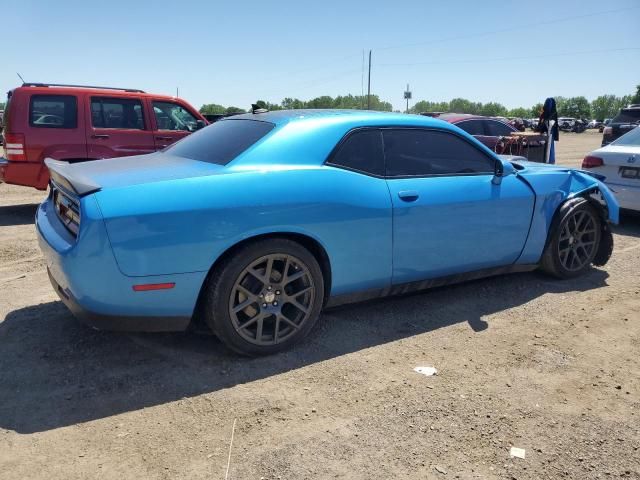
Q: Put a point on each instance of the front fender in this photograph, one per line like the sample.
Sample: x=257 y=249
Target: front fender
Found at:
x=553 y=187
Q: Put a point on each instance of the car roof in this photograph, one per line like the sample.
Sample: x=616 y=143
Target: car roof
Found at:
x=348 y=118
x=70 y=90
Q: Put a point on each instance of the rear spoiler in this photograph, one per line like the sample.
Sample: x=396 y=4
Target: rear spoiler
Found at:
x=63 y=174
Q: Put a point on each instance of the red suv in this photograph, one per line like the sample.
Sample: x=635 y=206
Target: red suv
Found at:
x=79 y=123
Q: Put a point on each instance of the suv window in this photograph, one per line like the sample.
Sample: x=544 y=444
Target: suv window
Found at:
x=53 y=111
x=498 y=129
x=361 y=151
x=415 y=152
x=171 y=116
x=221 y=142
x=627 y=116
x=124 y=113
x=472 y=127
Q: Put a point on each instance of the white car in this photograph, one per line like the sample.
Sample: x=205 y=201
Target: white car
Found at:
x=619 y=163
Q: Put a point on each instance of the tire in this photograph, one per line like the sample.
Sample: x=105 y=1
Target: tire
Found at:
x=574 y=240
x=254 y=313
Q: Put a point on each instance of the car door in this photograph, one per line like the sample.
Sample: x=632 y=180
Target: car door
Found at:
x=448 y=215
x=118 y=127
x=172 y=122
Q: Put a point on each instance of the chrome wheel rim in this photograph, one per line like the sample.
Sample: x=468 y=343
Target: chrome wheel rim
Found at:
x=577 y=240
x=271 y=299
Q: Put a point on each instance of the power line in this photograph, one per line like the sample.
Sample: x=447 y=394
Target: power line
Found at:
x=505 y=30
x=502 y=59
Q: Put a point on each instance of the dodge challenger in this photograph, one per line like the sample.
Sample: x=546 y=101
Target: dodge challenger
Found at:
x=254 y=224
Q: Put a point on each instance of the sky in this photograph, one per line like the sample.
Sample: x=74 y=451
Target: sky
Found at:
x=234 y=53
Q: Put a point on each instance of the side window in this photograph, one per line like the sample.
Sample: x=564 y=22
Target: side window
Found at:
x=123 y=113
x=361 y=151
x=171 y=116
x=498 y=129
x=53 y=111
x=416 y=152
x=472 y=127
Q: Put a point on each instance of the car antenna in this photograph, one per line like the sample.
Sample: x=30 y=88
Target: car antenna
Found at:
x=256 y=109
x=20 y=77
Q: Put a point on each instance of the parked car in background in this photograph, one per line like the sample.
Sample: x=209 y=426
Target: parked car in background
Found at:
x=619 y=163
x=566 y=123
x=487 y=130
x=602 y=126
x=80 y=123
x=626 y=120
x=260 y=220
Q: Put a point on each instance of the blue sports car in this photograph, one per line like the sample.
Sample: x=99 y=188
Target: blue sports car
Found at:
x=257 y=222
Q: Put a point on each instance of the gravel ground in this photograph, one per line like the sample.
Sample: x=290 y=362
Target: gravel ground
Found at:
x=523 y=360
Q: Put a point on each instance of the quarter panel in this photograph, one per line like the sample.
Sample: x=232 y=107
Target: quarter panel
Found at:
x=185 y=225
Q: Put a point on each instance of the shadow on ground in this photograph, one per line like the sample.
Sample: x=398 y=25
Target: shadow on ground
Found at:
x=17 y=214
x=56 y=372
x=629 y=224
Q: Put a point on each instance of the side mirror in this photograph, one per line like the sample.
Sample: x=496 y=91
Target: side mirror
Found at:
x=200 y=124
x=503 y=168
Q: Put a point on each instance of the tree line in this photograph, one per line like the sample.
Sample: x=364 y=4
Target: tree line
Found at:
x=604 y=106
x=355 y=102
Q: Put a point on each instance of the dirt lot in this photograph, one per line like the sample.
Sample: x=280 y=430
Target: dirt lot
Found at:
x=523 y=360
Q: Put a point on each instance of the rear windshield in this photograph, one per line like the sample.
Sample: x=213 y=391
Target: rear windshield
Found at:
x=221 y=142
x=627 y=116
x=629 y=138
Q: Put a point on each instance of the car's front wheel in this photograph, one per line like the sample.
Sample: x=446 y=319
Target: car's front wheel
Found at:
x=573 y=241
x=265 y=297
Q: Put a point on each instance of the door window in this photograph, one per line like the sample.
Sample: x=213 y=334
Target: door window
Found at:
x=416 y=152
x=171 y=116
x=53 y=111
x=472 y=127
x=122 y=113
x=361 y=151
x=498 y=129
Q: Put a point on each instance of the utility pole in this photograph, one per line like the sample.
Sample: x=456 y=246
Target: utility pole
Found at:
x=369 y=85
x=362 y=83
x=407 y=96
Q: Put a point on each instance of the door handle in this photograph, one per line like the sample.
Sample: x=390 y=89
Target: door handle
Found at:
x=167 y=139
x=408 y=195
x=103 y=136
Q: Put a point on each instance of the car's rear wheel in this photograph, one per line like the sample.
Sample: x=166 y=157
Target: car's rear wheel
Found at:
x=265 y=297
x=574 y=240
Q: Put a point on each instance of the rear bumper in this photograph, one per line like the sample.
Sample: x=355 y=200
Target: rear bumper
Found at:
x=117 y=323
x=28 y=174
x=86 y=277
x=628 y=196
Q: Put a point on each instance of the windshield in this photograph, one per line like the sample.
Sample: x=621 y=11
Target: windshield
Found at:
x=631 y=138
x=221 y=142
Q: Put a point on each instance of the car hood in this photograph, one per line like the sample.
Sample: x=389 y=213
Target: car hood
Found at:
x=87 y=177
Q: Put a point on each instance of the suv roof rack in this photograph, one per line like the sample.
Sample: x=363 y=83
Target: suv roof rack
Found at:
x=31 y=84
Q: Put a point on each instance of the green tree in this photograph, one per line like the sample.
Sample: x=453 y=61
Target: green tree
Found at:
x=292 y=104
x=231 y=110
x=462 y=105
x=636 y=97
x=519 y=112
x=427 y=106
x=212 y=108
x=576 y=107
x=535 y=110
x=493 y=109
x=605 y=106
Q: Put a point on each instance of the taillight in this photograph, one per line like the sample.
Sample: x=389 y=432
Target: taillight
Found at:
x=607 y=130
x=15 y=147
x=591 y=162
